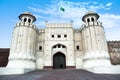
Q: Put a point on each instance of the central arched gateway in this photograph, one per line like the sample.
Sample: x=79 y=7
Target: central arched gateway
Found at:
x=59 y=61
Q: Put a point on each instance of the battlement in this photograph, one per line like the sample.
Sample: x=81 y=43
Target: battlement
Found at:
x=85 y=25
x=115 y=44
x=93 y=24
x=58 y=24
x=26 y=24
x=40 y=31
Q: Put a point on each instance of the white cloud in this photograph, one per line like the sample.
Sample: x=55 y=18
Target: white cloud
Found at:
x=95 y=8
x=110 y=20
x=74 y=11
x=109 y=4
x=107 y=8
x=39 y=16
x=95 y=2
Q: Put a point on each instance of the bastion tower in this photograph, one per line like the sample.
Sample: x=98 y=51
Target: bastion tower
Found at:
x=94 y=43
x=23 y=44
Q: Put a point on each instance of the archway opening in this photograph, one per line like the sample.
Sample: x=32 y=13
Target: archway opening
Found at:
x=59 y=61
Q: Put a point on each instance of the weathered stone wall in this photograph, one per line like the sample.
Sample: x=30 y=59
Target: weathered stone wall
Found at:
x=114 y=51
x=78 y=48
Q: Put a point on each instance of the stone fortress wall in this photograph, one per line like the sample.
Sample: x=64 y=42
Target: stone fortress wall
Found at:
x=83 y=48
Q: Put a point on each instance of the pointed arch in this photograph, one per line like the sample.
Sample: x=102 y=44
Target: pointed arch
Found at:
x=59 y=61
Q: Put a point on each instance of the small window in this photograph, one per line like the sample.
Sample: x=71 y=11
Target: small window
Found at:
x=77 y=47
x=25 y=19
x=40 y=47
x=54 y=46
x=59 y=36
x=29 y=20
x=65 y=35
x=52 y=36
x=63 y=46
x=58 y=45
x=92 y=19
x=88 y=20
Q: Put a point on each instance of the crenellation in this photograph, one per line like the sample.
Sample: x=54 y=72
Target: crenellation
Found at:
x=96 y=23
x=99 y=23
x=22 y=24
x=19 y=24
x=26 y=24
x=41 y=31
x=58 y=25
x=86 y=25
x=92 y=24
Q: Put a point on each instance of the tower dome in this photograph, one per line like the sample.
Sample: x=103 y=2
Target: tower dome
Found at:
x=27 y=17
x=90 y=16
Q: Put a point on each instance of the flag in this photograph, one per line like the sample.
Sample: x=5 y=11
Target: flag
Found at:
x=62 y=9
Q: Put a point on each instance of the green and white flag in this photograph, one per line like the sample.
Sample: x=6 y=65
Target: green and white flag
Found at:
x=62 y=9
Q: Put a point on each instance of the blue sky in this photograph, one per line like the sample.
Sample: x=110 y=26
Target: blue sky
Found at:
x=109 y=11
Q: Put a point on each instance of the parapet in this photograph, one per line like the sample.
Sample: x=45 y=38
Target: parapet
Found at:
x=59 y=24
x=114 y=43
x=41 y=31
x=26 y=24
x=85 y=25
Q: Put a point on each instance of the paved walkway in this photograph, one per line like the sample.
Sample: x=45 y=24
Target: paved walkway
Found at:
x=61 y=75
